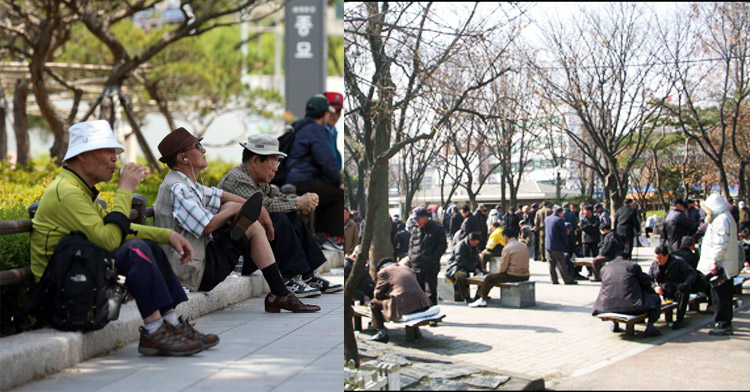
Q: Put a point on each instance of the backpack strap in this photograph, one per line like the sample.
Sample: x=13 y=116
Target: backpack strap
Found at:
x=122 y=221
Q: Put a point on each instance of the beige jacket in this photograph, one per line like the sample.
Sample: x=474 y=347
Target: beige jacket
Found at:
x=515 y=258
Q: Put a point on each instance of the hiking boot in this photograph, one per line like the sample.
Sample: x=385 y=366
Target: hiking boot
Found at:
x=318 y=282
x=167 y=341
x=246 y=216
x=187 y=330
x=301 y=289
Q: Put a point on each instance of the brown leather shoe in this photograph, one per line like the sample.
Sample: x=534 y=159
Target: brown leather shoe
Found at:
x=290 y=302
x=246 y=216
x=187 y=330
x=166 y=341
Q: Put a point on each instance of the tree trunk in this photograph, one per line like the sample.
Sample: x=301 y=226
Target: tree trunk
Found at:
x=3 y=130
x=377 y=200
x=145 y=148
x=741 y=181
x=21 y=123
x=39 y=86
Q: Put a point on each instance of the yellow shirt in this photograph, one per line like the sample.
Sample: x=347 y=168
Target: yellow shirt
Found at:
x=68 y=204
x=495 y=238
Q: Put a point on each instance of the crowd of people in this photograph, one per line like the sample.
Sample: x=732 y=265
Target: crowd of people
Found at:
x=699 y=253
x=203 y=233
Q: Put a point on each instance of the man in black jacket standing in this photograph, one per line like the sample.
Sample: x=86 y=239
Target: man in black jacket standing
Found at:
x=471 y=224
x=626 y=226
x=426 y=246
x=677 y=225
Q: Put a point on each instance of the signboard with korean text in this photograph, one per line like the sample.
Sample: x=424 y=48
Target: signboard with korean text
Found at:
x=305 y=53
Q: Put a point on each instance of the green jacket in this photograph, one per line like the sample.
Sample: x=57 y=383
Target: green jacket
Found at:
x=68 y=204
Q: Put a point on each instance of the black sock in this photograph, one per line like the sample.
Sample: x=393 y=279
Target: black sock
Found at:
x=307 y=275
x=275 y=282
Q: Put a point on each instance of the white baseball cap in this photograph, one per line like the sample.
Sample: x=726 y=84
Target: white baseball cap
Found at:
x=89 y=136
x=263 y=144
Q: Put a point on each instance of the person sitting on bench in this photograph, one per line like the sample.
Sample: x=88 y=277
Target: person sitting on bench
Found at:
x=514 y=266
x=675 y=278
x=611 y=247
x=627 y=289
x=463 y=262
x=397 y=293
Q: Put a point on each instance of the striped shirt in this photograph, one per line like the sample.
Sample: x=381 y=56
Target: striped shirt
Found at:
x=193 y=207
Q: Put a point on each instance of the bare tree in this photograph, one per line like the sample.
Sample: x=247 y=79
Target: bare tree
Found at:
x=605 y=69
x=709 y=49
x=393 y=52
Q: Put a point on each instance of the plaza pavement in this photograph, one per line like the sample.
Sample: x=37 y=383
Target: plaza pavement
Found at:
x=560 y=341
x=258 y=351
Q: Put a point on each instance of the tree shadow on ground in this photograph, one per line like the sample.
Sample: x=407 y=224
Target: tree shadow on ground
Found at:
x=430 y=341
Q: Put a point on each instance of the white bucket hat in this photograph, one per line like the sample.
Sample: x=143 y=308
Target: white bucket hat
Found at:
x=89 y=136
x=263 y=144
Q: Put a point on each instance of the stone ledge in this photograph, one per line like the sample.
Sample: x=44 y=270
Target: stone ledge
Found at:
x=35 y=354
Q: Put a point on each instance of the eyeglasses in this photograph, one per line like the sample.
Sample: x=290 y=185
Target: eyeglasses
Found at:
x=198 y=146
x=275 y=164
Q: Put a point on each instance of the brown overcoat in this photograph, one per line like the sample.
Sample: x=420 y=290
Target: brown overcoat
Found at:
x=398 y=292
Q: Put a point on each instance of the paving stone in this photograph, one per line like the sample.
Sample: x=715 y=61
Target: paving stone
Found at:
x=407 y=381
x=438 y=370
x=397 y=359
x=489 y=382
x=440 y=384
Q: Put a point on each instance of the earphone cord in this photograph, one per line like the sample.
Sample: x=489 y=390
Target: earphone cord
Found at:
x=194 y=177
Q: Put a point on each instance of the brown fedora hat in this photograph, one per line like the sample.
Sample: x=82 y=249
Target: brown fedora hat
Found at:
x=176 y=142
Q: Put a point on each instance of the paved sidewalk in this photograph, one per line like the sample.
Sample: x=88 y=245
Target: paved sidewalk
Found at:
x=560 y=341
x=258 y=351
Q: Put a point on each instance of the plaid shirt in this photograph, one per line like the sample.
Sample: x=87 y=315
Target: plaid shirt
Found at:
x=241 y=183
x=194 y=207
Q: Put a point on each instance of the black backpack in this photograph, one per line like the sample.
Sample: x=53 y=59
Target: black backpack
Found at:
x=79 y=289
x=285 y=145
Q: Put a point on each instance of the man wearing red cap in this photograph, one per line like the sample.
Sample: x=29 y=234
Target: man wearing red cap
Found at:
x=336 y=101
x=313 y=168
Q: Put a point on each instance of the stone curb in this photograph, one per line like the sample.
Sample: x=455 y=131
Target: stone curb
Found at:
x=36 y=354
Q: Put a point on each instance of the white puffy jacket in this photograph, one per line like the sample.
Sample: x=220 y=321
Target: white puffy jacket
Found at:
x=720 y=241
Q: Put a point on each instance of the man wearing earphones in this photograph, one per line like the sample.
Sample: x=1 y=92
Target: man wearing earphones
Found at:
x=206 y=217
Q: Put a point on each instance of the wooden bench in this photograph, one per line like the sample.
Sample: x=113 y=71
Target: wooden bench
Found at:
x=629 y=320
x=514 y=294
x=412 y=326
x=583 y=262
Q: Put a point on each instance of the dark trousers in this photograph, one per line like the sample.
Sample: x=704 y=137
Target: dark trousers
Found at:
x=431 y=279
x=294 y=248
x=222 y=254
x=628 y=241
x=590 y=249
x=722 y=301
x=377 y=316
x=534 y=240
x=491 y=280
x=149 y=276
x=682 y=303
x=557 y=261
x=461 y=286
x=329 y=215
